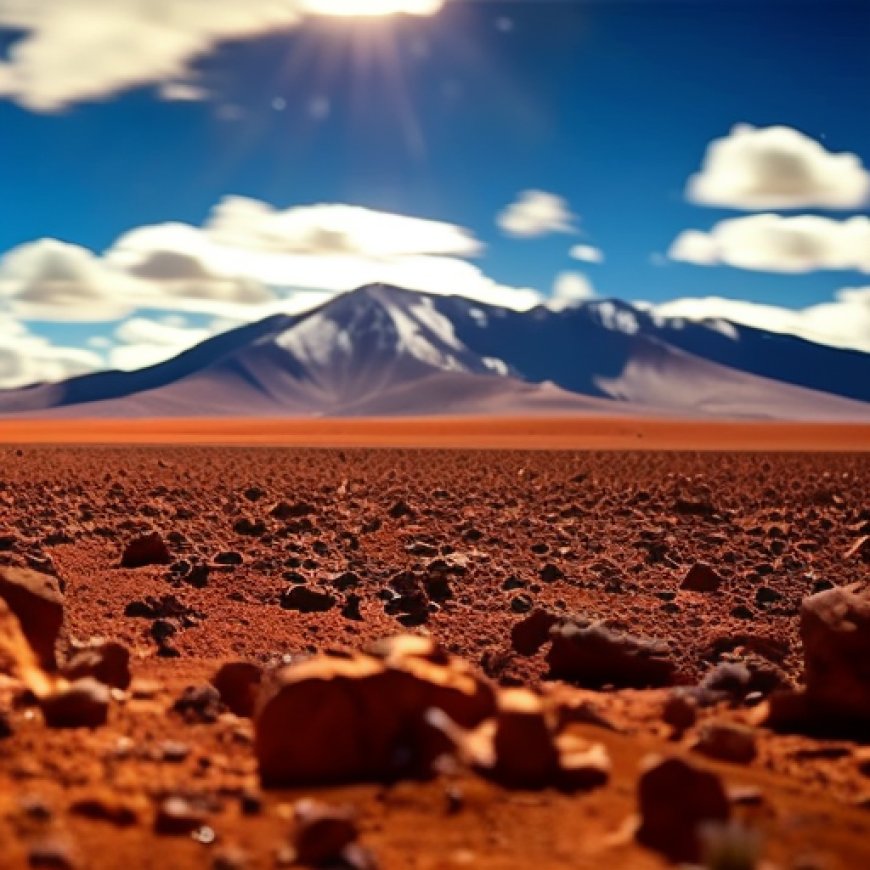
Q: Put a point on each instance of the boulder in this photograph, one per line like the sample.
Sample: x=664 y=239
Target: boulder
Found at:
x=675 y=799
x=835 y=630
x=593 y=656
x=363 y=717
x=37 y=602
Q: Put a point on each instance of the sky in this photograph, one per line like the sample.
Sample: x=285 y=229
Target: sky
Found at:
x=172 y=168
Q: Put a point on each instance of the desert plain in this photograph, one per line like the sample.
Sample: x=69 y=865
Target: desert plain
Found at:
x=625 y=657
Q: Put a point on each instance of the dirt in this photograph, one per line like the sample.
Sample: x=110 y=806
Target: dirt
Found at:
x=594 y=536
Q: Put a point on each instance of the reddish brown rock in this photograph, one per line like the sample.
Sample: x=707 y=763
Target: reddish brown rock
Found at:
x=594 y=656
x=105 y=661
x=727 y=741
x=238 y=684
x=701 y=578
x=530 y=634
x=835 y=630
x=520 y=747
x=323 y=833
x=146 y=550
x=37 y=602
x=675 y=798
x=364 y=717
x=82 y=704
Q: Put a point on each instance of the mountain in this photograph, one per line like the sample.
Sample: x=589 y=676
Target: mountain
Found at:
x=385 y=351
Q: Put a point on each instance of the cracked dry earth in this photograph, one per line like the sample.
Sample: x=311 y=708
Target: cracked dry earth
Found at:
x=277 y=557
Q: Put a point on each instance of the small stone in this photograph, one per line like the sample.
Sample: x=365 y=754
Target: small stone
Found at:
x=680 y=711
x=726 y=741
x=82 y=704
x=146 y=550
x=53 y=853
x=177 y=816
x=307 y=599
x=551 y=573
x=250 y=528
x=105 y=808
x=229 y=557
x=701 y=578
x=199 y=704
x=522 y=603
x=322 y=833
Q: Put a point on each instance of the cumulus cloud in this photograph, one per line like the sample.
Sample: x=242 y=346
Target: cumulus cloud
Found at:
x=587 y=254
x=773 y=243
x=52 y=280
x=842 y=322
x=27 y=359
x=536 y=213
x=778 y=168
x=75 y=50
x=240 y=222
x=145 y=342
x=329 y=248
x=570 y=288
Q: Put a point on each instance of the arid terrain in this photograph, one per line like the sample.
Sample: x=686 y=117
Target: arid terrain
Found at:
x=652 y=604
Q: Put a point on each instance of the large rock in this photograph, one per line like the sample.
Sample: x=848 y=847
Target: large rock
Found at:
x=82 y=704
x=676 y=799
x=238 y=684
x=593 y=656
x=835 y=630
x=37 y=602
x=363 y=717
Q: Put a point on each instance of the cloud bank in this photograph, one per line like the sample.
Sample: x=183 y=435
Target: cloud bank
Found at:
x=773 y=243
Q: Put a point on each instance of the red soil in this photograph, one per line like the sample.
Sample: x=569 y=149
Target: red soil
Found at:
x=623 y=528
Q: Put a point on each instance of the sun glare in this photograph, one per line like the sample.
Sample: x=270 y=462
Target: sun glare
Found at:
x=372 y=8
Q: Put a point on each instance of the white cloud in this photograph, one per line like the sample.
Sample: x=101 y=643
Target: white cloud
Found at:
x=843 y=322
x=777 y=168
x=145 y=342
x=52 y=280
x=772 y=243
x=322 y=248
x=29 y=359
x=570 y=288
x=587 y=254
x=537 y=213
x=75 y=50
x=240 y=222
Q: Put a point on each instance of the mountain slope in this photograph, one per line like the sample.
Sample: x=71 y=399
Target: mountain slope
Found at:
x=385 y=351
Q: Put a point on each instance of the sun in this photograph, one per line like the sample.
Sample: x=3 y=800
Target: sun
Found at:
x=372 y=8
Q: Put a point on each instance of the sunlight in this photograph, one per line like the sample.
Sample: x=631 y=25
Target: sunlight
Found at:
x=372 y=8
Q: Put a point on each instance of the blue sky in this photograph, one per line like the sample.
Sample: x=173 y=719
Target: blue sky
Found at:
x=608 y=106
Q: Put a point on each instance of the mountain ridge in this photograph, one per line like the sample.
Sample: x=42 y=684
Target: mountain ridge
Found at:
x=385 y=350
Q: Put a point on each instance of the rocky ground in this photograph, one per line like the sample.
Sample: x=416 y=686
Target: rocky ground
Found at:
x=636 y=659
